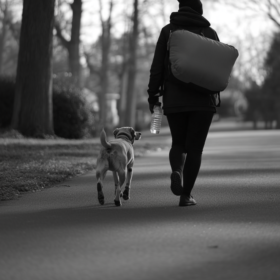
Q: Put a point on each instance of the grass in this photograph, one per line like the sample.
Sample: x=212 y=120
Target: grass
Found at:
x=29 y=165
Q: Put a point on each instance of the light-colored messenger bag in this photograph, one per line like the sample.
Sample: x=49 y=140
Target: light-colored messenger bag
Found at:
x=199 y=60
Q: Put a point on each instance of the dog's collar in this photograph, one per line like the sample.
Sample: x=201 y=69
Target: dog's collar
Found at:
x=126 y=135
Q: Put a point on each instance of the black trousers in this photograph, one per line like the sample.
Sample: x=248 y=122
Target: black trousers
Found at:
x=189 y=132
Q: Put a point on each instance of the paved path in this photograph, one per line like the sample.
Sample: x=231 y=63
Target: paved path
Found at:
x=233 y=232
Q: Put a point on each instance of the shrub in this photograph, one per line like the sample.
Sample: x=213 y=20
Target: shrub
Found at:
x=7 y=93
x=71 y=113
x=227 y=108
x=72 y=116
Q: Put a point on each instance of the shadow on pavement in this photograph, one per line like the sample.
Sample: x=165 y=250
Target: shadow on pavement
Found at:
x=214 y=211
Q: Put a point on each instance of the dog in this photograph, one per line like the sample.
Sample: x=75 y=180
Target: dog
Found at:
x=118 y=156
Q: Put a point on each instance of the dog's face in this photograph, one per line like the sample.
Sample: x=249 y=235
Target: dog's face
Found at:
x=129 y=132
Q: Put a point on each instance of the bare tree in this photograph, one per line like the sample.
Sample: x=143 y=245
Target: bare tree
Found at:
x=140 y=8
x=270 y=8
x=105 y=46
x=250 y=63
x=9 y=35
x=32 y=114
x=132 y=68
x=122 y=75
x=98 y=62
x=273 y=11
x=73 y=44
x=4 y=24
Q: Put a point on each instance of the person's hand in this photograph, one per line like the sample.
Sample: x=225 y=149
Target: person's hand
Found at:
x=151 y=107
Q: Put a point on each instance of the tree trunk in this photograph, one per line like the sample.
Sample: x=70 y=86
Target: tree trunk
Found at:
x=132 y=64
x=123 y=78
x=2 y=45
x=32 y=114
x=104 y=81
x=74 y=46
x=3 y=34
x=278 y=115
x=105 y=46
x=123 y=89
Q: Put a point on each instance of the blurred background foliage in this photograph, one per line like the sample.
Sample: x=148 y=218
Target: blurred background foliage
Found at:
x=102 y=52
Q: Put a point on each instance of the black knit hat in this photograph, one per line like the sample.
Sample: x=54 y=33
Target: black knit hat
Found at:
x=194 y=4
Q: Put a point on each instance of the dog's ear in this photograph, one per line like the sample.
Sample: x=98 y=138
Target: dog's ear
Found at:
x=137 y=135
x=115 y=132
x=132 y=132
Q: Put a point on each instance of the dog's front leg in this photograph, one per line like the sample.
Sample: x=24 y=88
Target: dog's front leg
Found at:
x=118 y=191
x=126 y=192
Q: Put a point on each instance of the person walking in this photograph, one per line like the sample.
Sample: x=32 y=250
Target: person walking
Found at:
x=189 y=109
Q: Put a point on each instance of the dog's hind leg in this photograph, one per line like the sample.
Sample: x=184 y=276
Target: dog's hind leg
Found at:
x=126 y=192
x=116 y=180
x=117 y=199
x=100 y=178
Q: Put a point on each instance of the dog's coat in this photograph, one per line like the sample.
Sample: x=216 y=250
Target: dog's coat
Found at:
x=117 y=156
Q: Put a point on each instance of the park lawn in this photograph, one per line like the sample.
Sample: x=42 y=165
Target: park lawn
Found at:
x=28 y=165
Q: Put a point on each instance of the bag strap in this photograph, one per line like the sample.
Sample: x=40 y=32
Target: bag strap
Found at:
x=165 y=63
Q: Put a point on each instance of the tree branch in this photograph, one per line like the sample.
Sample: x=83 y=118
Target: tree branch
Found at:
x=271 y=6
x=274 y=20
x=100 y=14
x=255 y=5
x=110 y=16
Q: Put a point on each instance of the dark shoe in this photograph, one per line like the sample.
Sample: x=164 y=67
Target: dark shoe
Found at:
x=186 y=200
x=176 y=183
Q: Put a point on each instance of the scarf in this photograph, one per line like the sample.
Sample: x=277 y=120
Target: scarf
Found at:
x=187 y=17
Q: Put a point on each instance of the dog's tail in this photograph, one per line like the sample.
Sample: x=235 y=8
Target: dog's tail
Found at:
x=103 y=140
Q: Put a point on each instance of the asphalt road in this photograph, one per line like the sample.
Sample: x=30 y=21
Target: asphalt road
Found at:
x=233 y=232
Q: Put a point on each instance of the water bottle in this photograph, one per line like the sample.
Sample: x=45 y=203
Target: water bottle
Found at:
x=156 y=119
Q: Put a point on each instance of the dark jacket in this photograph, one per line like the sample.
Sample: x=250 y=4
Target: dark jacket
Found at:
x=178 y=96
